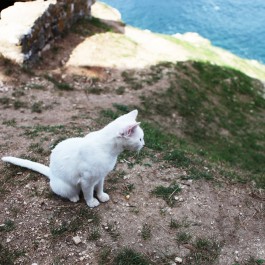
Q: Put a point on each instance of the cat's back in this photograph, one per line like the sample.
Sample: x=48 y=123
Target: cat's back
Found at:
x=68 y=146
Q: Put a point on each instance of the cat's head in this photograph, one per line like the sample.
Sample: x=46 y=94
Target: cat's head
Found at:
x=131 y=135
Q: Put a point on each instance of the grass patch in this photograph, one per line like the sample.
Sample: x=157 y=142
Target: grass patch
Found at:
x=178 y=158
x=58 y=84
x=146 y=231
x=5 y=101
x=37 y=107
x=252 y=261
x=77 y=219
x=129 y=256
x=18 y=104
x=94 y=233
x=8 y=226
x=183 y=238
x=167 y=193
x=222 y=117
x=7 y=256
x=175 y=224
x=205 y=252
x=11 y=123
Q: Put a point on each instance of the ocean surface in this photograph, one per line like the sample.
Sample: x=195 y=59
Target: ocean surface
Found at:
x=235 y=25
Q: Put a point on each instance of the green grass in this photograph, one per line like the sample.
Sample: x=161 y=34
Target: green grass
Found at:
x=11 y=123
x=94 y=233
x=77 y=219
x=129 y=256
x=146 y=231
x=204 y=252
x=183 y=238
x=5 y=101
x=37 y=107
x=7 y=256
x=222 y=114
x=176 y=224
x=8 y=226
x=167 y=193
x=252 y=261
x=59 y=84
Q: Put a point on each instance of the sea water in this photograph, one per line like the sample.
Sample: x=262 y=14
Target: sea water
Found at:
x=235 y=25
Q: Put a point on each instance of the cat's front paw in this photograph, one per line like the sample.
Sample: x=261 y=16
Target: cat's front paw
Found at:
x=74 y=198
x=93 y=203
x=103 y=197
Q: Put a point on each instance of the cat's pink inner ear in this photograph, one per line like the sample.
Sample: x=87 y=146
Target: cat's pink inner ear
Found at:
x=129 y=130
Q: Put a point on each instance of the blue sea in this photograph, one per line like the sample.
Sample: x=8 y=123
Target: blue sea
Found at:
x=235 y=25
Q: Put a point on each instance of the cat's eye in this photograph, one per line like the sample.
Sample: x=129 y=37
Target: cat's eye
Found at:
x=140 y=139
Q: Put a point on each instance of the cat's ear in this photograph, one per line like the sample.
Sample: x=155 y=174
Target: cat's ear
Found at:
x=133 y=114
x=129 y=130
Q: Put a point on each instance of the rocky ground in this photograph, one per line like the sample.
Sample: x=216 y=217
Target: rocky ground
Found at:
x=190 y=221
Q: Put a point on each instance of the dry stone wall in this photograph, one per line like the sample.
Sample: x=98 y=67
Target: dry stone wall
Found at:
x=28 y=28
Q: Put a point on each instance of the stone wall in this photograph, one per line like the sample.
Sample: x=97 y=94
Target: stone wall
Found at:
x=27 y=28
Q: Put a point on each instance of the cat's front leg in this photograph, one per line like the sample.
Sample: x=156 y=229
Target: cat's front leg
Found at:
x=88 y=191
x=102 y=196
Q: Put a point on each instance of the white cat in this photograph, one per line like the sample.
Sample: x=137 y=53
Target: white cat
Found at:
x=83 y=163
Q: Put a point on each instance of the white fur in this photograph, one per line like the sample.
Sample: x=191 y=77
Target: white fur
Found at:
x=83 y=163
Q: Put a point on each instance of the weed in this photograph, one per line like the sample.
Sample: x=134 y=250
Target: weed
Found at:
x=37 y=86
x=167 y=193
x=122 y=108
x=183 y=238
x=18 y=93
x=37 y=107
x=94 y=233
x=8 y=226
x=11 y=122
x=19 y=104
x=128 y=188
x=195 y=173
x=175 y=224
x=58 y=84
x=205 y=252
x=96 y=90
x=252 y=261
x=37 y=148
x=129 y=256
x=7 y=256
x=104 y=256
x=146 y=231
x=120 y=90
x=178 y=158
x=77 y=219
x=5 y=101
x=111 y=228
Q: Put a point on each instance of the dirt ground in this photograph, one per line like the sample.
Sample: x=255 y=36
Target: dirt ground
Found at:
x=37 y=227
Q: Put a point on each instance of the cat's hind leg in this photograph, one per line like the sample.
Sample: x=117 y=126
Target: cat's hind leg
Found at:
x=65 y=190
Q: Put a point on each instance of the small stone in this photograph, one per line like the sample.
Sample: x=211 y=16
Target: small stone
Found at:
x=181 y=200
x=178 y=260
x=127 y=197
x=77 y=240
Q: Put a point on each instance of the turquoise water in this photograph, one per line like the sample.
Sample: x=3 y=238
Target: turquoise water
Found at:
x=236 y=25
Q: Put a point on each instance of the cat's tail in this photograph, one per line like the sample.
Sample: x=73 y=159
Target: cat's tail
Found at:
x=44 y=170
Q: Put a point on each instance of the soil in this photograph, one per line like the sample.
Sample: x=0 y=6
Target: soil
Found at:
x=231 y=214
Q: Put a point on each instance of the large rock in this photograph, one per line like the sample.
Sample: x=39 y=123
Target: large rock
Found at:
x=27 y=27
